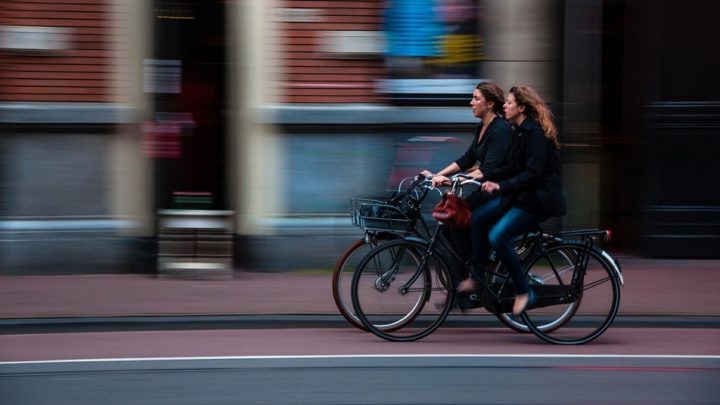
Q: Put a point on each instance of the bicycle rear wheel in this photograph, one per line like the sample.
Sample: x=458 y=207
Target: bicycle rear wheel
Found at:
x=344 y=270
x=393 y=286
x=537 y=277
x=580 y=299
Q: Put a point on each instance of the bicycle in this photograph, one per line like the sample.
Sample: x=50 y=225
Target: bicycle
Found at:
x=397 y=278
x=401 y=219
x=391 y=219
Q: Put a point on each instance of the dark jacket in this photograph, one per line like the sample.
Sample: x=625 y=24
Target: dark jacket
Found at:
x=492 y=153
x=533 y=180
x=493 y=150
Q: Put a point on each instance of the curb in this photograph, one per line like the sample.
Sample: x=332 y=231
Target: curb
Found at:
x=286 y=321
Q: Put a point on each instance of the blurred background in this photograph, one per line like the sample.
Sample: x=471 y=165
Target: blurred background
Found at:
x=209 y=135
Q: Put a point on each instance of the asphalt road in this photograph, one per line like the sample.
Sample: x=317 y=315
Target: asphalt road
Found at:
x=346 y=366
x=420 y=379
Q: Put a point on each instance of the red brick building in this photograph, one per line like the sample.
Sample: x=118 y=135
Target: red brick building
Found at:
x=59 y=51
x=316 y=50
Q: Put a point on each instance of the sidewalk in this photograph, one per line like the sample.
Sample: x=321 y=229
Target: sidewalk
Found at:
x=653 y=287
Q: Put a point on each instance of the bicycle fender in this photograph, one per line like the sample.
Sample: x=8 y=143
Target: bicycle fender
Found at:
x=416 y=239
x=615 y=266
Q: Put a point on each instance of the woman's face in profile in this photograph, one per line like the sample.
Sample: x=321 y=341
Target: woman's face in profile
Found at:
x=513 y=111
x=479 y=105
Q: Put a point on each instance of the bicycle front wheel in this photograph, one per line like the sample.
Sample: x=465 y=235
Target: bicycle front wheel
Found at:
x=344 y=270
x=580 y=295
x=394 y=285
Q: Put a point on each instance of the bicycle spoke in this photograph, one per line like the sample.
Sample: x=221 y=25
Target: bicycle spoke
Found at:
x=400 y=299
x=596 y=283
x=344 y=270
x=584 y=316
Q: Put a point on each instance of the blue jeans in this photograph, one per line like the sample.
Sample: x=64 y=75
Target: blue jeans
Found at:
x=495 y=228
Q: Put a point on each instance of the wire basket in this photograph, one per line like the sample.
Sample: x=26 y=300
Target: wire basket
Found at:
x=376 y=215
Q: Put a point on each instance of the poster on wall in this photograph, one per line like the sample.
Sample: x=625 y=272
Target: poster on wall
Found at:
x=433 y=50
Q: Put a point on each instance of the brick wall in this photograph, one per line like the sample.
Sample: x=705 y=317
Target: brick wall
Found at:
x=313 y=75
x=79 y=71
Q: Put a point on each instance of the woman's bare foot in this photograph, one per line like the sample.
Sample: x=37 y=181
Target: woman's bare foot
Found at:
x=522 y=301
x=467 y=285
x=520 y=304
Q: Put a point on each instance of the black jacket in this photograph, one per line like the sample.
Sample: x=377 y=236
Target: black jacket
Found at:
x=493 y=151
x=533 y=180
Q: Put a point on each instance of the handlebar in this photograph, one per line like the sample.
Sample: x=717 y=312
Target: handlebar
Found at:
x=417 y=181
x=459 y=179
x=465 y=179
x=421 y=185
x=425 y=182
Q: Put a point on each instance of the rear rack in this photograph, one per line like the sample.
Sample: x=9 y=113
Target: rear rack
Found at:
x=582 y=234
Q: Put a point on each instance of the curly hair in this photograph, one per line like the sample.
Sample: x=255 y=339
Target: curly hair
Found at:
x=536 y=109
x=493 y=93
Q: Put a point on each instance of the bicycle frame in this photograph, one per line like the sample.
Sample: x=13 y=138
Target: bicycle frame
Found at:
x=437 y=238
x=502 y=294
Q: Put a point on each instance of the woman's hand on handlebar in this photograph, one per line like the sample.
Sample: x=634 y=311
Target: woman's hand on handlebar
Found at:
x=437 y=180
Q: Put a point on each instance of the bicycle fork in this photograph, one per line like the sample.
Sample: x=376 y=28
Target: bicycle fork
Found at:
x=386 y=277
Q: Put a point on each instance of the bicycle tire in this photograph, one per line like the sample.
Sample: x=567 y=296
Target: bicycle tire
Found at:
x=344 y=268
x=378 y=295
x=596 y=303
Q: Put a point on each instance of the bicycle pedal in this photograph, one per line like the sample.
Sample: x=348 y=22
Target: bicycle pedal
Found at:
x=469 y=300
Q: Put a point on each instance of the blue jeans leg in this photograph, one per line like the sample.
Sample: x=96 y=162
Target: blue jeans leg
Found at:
x=482 y=218
x=512 y=224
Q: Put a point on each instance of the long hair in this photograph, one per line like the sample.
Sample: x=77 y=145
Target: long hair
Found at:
x=536 y=109
x=493 y=93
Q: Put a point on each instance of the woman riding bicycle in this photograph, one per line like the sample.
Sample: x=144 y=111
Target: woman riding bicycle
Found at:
x=529 y=188
x=488 y=151
x=490 y=147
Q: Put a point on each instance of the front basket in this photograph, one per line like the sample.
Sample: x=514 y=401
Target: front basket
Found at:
x=375 y=215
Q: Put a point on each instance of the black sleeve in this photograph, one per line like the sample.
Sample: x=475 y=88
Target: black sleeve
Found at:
x=468 y=158
x=535 y=155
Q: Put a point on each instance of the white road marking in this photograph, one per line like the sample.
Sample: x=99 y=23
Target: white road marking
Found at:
x=379 y=356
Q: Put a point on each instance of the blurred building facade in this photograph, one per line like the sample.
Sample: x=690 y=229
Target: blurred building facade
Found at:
x=282 y=110
x=73 y=185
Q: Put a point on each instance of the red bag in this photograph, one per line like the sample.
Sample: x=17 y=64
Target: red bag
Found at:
x=452 y=210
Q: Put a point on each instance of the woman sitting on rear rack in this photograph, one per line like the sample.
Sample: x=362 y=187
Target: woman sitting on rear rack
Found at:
x=528 y=191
